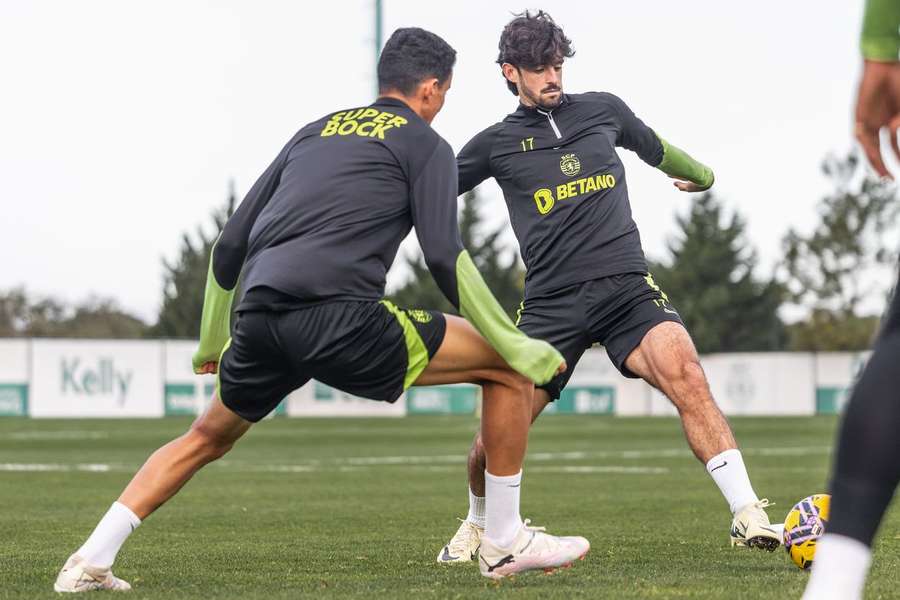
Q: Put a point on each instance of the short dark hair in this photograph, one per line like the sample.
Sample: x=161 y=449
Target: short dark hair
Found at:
x=412 y=55
x=532 y=40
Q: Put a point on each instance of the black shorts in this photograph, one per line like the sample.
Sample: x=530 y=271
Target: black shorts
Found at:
x=616 y=312
x=369 y=349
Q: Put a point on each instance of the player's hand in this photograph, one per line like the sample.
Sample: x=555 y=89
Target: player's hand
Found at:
x=208 y=368
x=688 y=186
x=561 y=369
x=877 y=107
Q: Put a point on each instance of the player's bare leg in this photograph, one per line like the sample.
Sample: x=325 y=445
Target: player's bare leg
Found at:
x=465 y=357
x=211 y=435
x=508 y=545
x=667 y=360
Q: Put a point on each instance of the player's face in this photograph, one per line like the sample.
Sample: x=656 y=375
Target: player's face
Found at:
x=541 y=87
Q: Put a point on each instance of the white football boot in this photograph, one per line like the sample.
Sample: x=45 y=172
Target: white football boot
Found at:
x=532 y=549
x=463 y=546
x=751 y=528
x=78 y=576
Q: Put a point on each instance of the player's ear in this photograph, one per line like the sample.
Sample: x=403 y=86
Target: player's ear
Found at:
x=430 y=89
x=510 y=72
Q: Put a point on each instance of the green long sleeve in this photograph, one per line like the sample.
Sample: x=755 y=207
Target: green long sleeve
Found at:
x=215 y=324
x=534 y=359
x=880 y=40
x=678 y=163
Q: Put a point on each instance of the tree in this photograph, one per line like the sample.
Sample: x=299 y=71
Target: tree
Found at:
x=101 y=318
x=185 y=278
x=22 y=316
x=500 y=267
x=834 y=270
x=710 y=280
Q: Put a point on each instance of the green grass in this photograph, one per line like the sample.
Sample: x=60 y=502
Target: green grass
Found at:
x=314 y=508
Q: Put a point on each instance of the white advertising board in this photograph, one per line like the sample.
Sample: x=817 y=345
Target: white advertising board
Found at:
x=14 y=361
x=96 y=378
x=185 y=392
x=772 y=383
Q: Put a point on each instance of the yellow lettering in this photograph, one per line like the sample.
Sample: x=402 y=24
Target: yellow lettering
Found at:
x=581 y=183
x=337 y=116
x=347 y=127
x=369 y=113
x=329 y=129
x=379 y=130
x=383 y=117
x=353 y=115
x=572 y=191
x=561 y=192
x=397 y=122
x=601 y=182
x=610 y=180
x=543 y=198
x=590 y=185
x=365 y=129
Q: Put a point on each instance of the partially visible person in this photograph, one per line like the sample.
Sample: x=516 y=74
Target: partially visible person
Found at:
x=867 y=464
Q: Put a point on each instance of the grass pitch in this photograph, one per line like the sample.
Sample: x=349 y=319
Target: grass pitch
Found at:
x=347 y=508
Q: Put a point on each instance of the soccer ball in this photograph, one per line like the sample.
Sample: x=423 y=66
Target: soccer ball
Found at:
x=803 y=526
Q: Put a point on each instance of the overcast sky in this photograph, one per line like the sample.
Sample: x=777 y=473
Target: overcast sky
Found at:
x=121 y=123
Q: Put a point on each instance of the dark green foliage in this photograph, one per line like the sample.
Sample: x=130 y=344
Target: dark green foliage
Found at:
x=501 y=269
x=185 y=279
x=710 y=279
x=829 y=272
x=22 y=315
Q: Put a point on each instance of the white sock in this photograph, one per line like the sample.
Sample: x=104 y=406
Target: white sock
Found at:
x=728 y=471
x=502 y=507
x=839 y=569
x=476 y=510
x=111 y=532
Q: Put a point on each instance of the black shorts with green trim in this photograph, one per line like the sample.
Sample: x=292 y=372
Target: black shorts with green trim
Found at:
x=369 y=349
x=615 y=312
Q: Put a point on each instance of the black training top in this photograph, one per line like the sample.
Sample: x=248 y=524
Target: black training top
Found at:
x=565 y=187
x=326 y=218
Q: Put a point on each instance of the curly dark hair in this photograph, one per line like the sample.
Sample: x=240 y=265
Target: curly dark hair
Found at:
x=532 y=40
x=412 y=55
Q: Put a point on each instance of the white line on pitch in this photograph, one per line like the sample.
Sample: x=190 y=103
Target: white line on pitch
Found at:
x=54 y=467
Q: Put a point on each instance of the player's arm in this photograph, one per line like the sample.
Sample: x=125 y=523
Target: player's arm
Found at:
x=633 y=134
x=225 y=262
x=880 y=40
x=434 y=216
x=878 y=100
x=474 y=161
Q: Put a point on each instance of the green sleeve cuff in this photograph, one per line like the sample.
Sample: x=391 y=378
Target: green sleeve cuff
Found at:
x=534 y=359
x=880 y=40
x=215 y=324
x=678 y=163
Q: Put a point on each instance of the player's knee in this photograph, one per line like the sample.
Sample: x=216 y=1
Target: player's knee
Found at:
x=508 y=378
x=685 y=376
x=209 y=445
x=521 y=384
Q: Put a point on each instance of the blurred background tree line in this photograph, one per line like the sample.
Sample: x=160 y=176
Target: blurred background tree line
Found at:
x=711 y=273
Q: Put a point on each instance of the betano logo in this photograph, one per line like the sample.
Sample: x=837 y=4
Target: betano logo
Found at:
x=100 y=380
x=364 y=122
x=545 y=200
